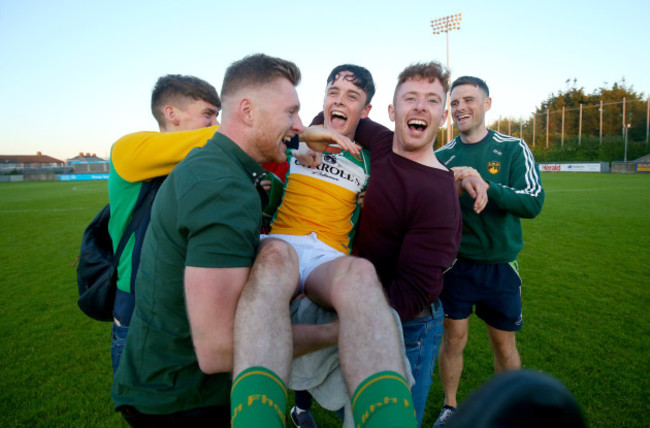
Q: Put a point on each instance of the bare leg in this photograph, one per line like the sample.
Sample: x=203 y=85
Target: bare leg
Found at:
x=368 y=336
x=506 y=356
x=263 y=335
x=450 y=358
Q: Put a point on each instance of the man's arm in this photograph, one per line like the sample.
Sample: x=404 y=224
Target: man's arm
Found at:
x=306 y=156
x=475 y=187
x=523 y=195
x=369 y=133
x=212 y=295
x=145 y=155
x=373 y=135
x=320 y=139
x=316 y=139
x=312 y=337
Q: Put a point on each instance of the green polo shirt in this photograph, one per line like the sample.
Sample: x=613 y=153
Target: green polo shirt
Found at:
x=206 y=214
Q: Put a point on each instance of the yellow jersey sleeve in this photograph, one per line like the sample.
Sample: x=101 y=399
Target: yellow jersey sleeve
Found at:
x=145 y=155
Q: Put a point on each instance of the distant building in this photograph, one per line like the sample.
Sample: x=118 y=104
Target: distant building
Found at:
x=88 y=163
x=39 y=167
x=21 y=163
x=85 y=158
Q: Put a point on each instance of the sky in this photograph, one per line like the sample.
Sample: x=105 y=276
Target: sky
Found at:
x=77 y=75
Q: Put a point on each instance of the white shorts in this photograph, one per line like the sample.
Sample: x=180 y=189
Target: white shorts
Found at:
x=312 y=252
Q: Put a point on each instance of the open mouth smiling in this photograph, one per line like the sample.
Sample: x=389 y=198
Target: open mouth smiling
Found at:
x=417 y=125
x=338 y=117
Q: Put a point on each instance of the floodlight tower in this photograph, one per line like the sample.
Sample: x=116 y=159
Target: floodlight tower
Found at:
x=445 y=25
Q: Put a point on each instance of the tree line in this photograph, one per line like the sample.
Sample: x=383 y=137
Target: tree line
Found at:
x=573 y=125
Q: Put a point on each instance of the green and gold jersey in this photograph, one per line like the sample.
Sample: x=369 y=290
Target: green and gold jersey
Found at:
x=324 y=199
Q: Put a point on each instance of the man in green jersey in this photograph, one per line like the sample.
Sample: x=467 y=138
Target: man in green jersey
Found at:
x=485 y=274
x=198 y=252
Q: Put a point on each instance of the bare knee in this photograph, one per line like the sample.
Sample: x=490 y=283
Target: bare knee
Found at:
x=505 y=348
x=503 y=343
x=357 y=279
x=275 y=252
x=361 y=271
x=275 y=269
x=454 y=337
x=455 y=344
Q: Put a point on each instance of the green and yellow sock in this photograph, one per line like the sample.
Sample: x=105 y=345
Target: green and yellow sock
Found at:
x=383 y=400
x=258 y=398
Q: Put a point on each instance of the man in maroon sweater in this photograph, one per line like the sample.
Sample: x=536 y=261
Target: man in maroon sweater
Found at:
x=410 y=225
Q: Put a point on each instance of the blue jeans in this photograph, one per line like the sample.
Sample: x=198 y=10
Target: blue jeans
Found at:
x=422 y=339
x=119 y=341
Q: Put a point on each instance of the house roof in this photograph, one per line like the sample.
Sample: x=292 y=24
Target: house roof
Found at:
x=29 y=159
x=86 y=157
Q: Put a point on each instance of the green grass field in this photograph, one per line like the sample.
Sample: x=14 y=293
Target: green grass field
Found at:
x=585 y=267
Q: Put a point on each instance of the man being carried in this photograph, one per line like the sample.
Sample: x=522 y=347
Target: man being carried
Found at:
x=316 y=219
x=349 y=92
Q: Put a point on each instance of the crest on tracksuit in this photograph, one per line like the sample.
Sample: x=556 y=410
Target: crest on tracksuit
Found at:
x=494 y=167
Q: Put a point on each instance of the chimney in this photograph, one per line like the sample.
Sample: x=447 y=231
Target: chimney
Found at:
x=39 y=154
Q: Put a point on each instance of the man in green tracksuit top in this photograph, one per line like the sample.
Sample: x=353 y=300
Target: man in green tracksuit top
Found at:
x=485 y=274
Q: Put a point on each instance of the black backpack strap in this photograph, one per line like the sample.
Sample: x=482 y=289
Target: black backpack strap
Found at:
x=142 y=208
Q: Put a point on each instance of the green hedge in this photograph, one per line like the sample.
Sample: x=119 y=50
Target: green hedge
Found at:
x=590 y=150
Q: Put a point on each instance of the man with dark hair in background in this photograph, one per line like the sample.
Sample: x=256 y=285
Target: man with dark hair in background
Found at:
x=178 y=103
x=486 y=273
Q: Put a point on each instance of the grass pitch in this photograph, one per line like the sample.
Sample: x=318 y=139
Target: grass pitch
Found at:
x=585 y=298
